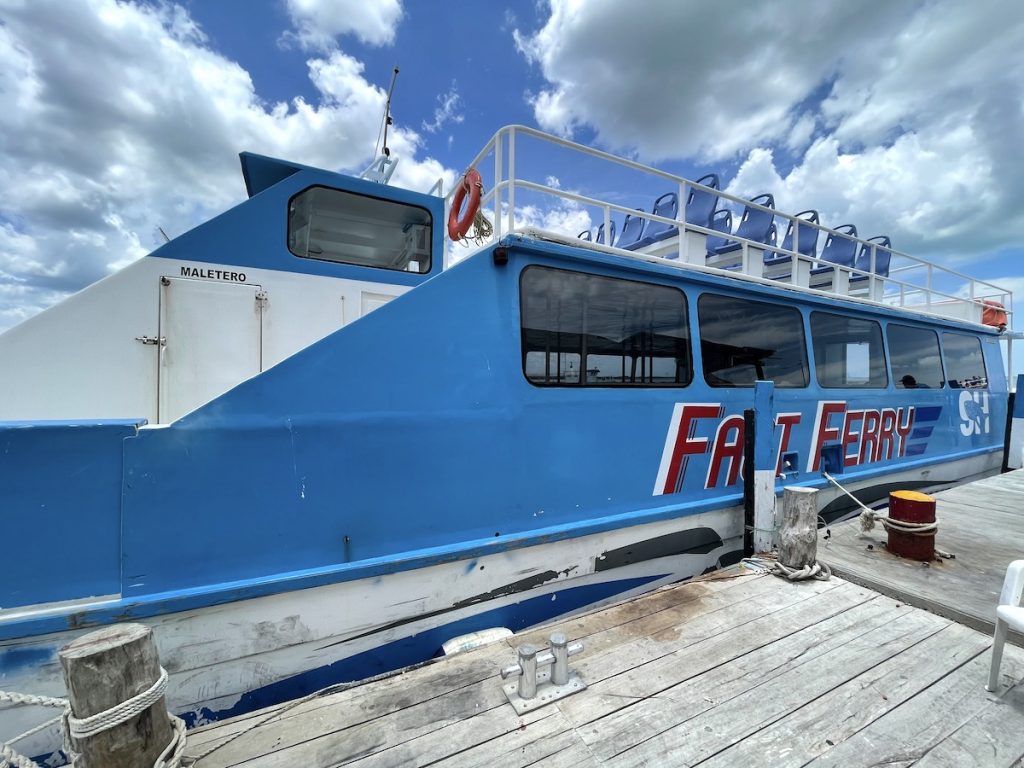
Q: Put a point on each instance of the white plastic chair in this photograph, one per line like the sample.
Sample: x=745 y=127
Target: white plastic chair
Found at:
x=1009 y=615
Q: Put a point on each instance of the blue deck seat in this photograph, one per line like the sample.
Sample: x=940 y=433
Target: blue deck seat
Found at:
x=599 y=238
x=755 y=225
x=584 y=235
x=772 y=239
x=883 y=256
x=838 y=249
x=806 y=237
x=721 y=221
x=632 y=230
x=667 y=206
x=700 y=205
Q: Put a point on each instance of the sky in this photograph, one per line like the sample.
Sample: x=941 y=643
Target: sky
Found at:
x=119 y=119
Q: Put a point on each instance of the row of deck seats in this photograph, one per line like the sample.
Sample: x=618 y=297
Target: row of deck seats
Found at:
x=755 y=225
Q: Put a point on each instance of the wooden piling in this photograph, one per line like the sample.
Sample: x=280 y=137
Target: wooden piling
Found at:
x=798 y=536
x=103 y=669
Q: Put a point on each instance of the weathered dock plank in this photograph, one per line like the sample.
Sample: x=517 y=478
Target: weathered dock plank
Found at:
x=840 y=713
x=982 y=523
x=910 y=731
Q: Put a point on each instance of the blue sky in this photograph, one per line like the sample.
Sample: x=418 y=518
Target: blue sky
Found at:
x=121 y=117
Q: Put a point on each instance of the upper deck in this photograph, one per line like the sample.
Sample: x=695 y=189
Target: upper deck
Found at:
x=697 y=226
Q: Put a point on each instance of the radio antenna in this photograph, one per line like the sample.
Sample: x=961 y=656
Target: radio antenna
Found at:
x=387 y=117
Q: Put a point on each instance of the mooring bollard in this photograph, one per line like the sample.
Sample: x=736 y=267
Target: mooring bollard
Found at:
x=911 y=525
x=536 y=685
x=107 y=668
x=798 y=537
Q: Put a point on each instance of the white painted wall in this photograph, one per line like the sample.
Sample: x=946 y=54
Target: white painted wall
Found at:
x=80 y=359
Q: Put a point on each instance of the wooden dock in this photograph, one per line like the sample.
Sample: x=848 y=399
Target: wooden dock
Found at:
x=981 y=523
x=739 y=669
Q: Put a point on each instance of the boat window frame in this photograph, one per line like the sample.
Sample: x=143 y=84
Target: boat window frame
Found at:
x=981 y=352
x=429 y=236
x=897 y=383
x=582 y=384
x=782 y=308
x=881 y=346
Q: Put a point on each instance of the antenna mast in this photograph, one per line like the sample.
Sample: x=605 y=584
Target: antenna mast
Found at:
x=383 y=166
x=387 y=112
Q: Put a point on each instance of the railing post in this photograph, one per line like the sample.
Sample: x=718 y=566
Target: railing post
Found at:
x=684 y=241
x=497 y=187
x=511 y=178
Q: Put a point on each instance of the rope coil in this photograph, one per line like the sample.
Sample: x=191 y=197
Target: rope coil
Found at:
x=84 y=727
x=869 y=517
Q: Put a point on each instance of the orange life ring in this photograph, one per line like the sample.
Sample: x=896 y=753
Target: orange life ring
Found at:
x=470 y=184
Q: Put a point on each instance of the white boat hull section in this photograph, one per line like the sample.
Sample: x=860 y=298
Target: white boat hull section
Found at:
x=215 y=655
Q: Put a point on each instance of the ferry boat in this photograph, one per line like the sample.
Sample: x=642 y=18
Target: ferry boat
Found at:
x=307 y=447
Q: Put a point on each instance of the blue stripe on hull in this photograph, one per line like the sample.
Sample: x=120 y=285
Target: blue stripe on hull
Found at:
x=420 y=647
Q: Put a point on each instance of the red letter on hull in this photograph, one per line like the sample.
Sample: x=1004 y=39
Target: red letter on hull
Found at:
x=823 y=433
x=726 y=450
x=683 y=444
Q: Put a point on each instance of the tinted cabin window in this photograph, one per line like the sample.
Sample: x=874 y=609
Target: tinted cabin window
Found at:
x=847 y=351
x=965 y=364
x=581 y=329
x=914 y=356
x=332 y=225
x=743 y=341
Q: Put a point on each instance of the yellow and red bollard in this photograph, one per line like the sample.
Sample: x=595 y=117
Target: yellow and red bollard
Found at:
x=912 y=507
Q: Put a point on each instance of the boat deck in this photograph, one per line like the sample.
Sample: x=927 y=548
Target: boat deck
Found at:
x=734 y=669
x=981 y=523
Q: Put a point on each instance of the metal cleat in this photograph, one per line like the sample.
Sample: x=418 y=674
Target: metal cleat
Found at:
x=532 y=688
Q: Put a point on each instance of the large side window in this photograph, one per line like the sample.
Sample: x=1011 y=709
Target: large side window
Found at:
x=581 y=329
x=965 y=363
x=332 y=225
x=914 y=356
x=743 y=341
x=848 y=351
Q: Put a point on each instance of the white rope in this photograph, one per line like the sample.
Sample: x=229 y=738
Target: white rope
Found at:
x=482 y=228
x=868 y=517
x=818 y=571
x=9 y=757
x=171 y=757
x=7 y=754
x=85 y=727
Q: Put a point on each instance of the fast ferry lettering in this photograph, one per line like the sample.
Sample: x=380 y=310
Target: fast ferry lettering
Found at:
x=725 y=444
x=865 y=435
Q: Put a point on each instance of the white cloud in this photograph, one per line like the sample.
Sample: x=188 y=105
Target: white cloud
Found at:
x=446 y=111
x=318 y=23
x=147 y=134
x=904 y=118
x=687 y=79
x=902 y=190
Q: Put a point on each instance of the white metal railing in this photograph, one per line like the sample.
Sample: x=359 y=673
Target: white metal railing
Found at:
x=921 y=285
